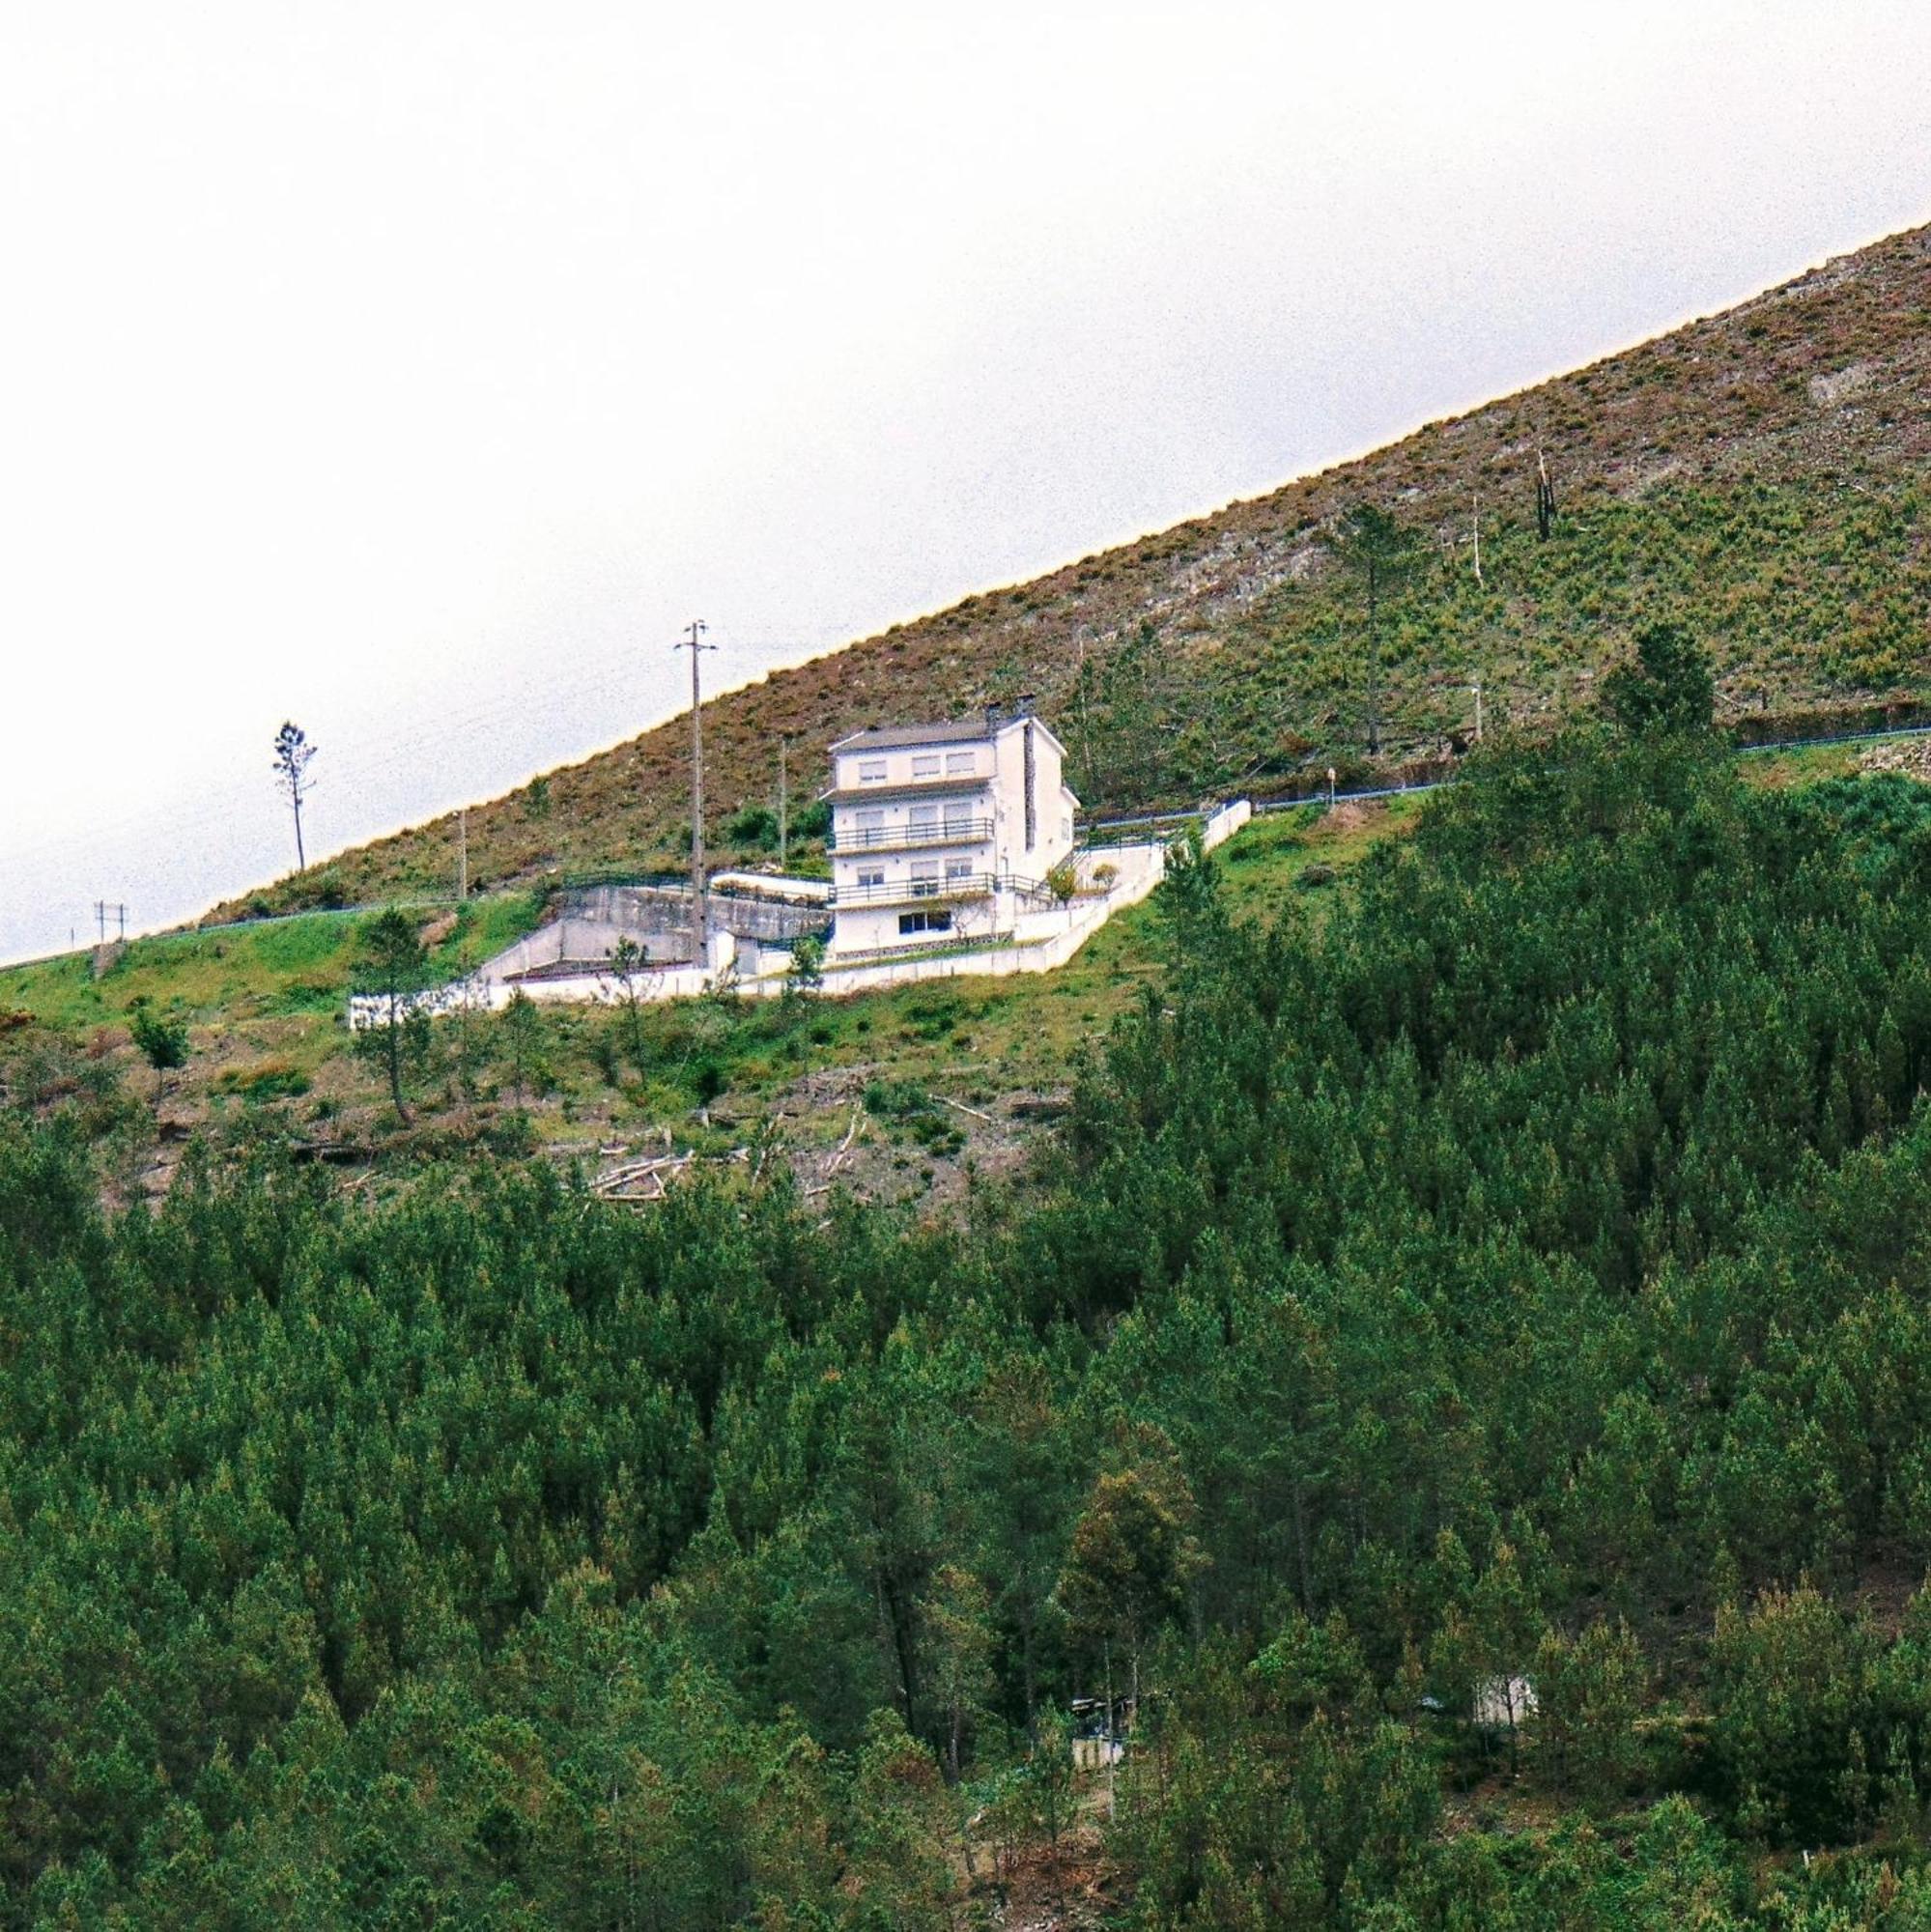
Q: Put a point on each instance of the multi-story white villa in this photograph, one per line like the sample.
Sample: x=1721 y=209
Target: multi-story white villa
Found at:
x=943 y=830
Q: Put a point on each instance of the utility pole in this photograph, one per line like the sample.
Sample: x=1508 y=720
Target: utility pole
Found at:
x=783 y=745
x=1478 y=536
x=701 y=925
x=462 y=853
x=100 y=918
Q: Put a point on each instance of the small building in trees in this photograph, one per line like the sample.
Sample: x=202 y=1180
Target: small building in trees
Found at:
x=944 y=831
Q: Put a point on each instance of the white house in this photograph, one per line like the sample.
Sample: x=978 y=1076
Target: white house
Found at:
x=945 y=830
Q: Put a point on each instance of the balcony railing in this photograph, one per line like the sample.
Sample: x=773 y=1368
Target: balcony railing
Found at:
x=907 y=891
x=903 y=838
x=925 y=784
x=969 y=886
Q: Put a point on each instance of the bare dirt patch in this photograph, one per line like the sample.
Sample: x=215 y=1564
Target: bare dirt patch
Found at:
x=1350 y=815
x=1911 y=756
x=1065 y=1889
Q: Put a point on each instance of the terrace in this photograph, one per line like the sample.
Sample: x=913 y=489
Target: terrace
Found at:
x=904 y=838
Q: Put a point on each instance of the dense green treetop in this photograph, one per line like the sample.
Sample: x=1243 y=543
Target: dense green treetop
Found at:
x=1509 y=1265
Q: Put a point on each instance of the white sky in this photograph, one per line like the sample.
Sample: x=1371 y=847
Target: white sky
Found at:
x=417 y=371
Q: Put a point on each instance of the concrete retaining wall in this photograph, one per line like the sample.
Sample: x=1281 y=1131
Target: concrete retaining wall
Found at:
x=1225 y=823
x=594 y=919
x=664 y=912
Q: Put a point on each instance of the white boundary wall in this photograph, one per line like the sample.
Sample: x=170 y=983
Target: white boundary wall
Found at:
x=1039 y=943
x=1225 y=823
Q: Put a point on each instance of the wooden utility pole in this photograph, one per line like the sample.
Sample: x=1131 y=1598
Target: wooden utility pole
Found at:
x=783 y=747
x=701 y=925
x=1478 y=537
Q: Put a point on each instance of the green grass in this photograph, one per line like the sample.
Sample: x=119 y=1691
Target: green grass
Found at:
x=1804 y=765
x=483 y=928
x=1266 y=865
x=226 y=974
x=301 y=965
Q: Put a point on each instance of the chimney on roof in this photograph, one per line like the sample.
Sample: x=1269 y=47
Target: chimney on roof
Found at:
x=994 y=715
x=1024 y=707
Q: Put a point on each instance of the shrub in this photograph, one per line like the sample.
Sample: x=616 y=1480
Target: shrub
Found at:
x=276 y=1080
x=895 y=1099
x=752 y=828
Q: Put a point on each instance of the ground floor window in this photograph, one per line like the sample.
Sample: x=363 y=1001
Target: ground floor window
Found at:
x=938 y=920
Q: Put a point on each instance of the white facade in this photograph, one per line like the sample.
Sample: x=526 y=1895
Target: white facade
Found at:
x=944 y=833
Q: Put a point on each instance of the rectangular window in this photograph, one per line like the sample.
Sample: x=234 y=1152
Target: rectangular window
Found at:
x=926 y=765
x=958 y=868
x=871 y=876
x=924 y=820
x=870 y=771
x=938 y=920
x=925 y=878
x=961 y=762
x=959 y=818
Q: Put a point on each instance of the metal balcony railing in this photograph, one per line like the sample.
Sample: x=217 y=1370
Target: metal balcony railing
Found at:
x=904 y=838
x=924 y=785
x=971 y=885
x=909 y=892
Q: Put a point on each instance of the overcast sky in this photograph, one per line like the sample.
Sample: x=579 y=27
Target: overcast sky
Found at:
x=416 y=371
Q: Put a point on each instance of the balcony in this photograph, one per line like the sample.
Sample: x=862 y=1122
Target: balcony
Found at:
x=908 y=891
x=905 y=837
x=1034 y=893
x=865 y=791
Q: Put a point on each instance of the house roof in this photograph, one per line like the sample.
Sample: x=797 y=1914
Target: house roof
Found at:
x=895 y=737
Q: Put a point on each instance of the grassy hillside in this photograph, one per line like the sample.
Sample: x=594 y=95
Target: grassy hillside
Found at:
x=1763 y=473
x=923 y=1083
x=925 y=1088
